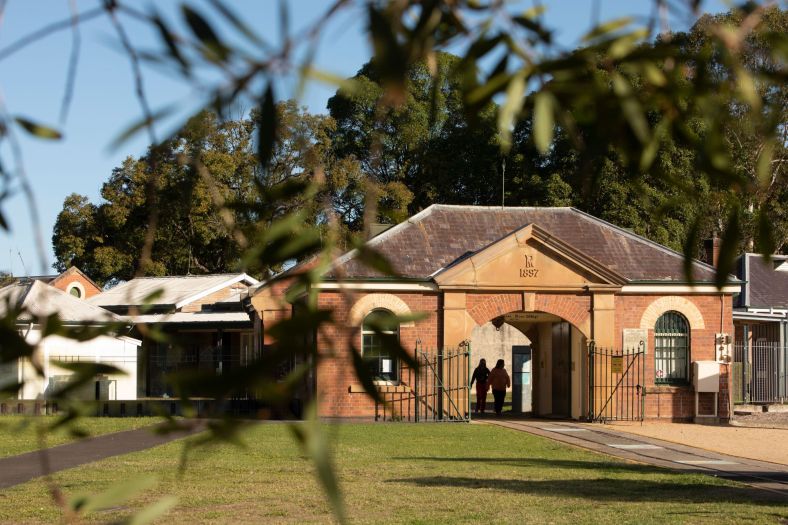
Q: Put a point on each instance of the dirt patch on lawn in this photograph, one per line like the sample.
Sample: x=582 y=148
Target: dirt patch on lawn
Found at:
x=763 y=444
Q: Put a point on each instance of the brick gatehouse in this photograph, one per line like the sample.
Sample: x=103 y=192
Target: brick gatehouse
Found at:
x=549 y=279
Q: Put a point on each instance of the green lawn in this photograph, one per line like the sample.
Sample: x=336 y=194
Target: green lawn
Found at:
x=18 y=433
x=406 y=473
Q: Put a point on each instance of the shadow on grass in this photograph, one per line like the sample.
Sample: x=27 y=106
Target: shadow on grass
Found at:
x=608 y=466
x=605 y=489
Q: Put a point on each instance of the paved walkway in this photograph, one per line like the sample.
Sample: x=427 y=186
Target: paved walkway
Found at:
x=767 y=476
x=24 y=467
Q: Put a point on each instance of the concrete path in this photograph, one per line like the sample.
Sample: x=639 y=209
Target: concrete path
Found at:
x=24 y=467
x=767 y=476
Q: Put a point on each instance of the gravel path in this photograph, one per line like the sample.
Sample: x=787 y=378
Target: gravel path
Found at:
x=762 y=420
x=762 y=444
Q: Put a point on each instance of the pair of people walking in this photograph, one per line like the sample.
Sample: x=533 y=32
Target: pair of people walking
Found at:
x=497 y=379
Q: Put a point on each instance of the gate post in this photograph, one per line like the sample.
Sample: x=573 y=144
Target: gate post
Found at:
x=746 y=388
x=439 y=368
x=591 y=381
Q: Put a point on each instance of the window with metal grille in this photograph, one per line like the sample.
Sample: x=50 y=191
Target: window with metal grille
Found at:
x=671 y=349
x=379 y=326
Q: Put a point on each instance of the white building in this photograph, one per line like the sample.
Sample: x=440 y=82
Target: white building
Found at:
x=36 y=301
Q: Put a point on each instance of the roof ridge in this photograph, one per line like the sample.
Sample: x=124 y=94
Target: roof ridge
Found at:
x=641 y=239
x=185 y=276
x=476 y=207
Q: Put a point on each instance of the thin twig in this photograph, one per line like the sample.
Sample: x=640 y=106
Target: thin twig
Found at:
x=152 y=182
x=48 y=30
x=27 y=189
x=46 y=470
x=71 y=77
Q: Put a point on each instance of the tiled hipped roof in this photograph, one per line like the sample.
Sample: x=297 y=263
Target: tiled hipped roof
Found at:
x=436 y=237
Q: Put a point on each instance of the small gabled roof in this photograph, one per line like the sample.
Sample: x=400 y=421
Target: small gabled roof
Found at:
x=440 y=235
x=71 y=271
x=41 y=300
x=175 y=291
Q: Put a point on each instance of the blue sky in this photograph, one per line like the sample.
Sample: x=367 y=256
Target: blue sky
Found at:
x=32 y=85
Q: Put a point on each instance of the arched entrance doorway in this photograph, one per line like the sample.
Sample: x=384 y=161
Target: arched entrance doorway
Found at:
x=546 y=358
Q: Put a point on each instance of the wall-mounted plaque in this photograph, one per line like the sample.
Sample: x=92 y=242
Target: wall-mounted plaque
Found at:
x=635 y=340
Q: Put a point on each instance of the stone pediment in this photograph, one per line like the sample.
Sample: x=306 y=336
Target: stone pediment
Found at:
x=529 y=258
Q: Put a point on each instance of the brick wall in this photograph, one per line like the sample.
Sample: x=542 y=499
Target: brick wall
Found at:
x=678 y=402
x=335 y=373
x=337 y=386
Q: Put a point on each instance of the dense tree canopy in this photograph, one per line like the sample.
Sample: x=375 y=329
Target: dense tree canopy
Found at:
x=376 y=162
x=426 y=149
x=208 y=199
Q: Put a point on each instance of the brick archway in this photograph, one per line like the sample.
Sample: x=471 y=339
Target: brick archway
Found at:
x=678 y=304
x=484 y=308
x=374 y=301
x=573 y=308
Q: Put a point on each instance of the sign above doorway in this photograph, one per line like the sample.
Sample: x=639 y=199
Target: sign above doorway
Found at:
x=531 y=317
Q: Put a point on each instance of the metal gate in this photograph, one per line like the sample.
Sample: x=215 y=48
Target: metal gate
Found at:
x=616 y=380
x=437 y=391
x=759 y=372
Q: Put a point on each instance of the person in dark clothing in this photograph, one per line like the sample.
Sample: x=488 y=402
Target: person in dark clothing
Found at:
x=480 y=375
x=499 y=381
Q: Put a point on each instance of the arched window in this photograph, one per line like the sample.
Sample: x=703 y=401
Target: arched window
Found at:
x=378 y=332
x=671 y=349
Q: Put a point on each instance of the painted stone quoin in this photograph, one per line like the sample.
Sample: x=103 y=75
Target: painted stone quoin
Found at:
x=545 y=281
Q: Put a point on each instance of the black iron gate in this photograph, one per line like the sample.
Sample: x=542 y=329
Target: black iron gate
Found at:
x=437 y=391
x=616 y=380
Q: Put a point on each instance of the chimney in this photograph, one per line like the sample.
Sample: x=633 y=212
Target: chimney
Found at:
x=711 y=250
x=376 y=228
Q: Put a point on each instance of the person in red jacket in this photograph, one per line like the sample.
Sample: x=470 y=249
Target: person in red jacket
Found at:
x=499 y=381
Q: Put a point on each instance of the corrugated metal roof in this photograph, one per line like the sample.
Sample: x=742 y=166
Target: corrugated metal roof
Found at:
x=41 y=300
x=191 y=317
x=173 y=290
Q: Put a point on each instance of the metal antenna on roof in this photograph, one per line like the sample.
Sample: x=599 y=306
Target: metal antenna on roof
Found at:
x=503 y=183
x=24 y=267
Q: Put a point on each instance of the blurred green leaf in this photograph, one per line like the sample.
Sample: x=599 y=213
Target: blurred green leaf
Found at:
x=169 y=40
x=764 y=237
x=363 y=374
x=205 y=33
x=515 y=96
x=237 y=22
x=690 y=244
x=115 y=495
x=544 y=108
x=729 y=247
x=314 y=443
x=606 y=28
x=266 y=127
x=763 y=167
x=143 y=123
x=631 y=107
x=153 y=511
x=38 y=130
x=747 y=89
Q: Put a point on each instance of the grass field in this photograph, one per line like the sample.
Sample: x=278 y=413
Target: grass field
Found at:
x=403 y=473
x=18 y=433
